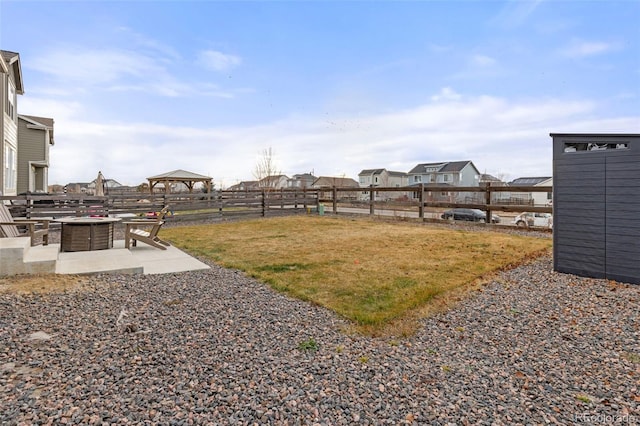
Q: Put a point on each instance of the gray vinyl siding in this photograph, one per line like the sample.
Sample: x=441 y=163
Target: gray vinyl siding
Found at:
x=596 y=208
x=468 y=176
x=31 y=147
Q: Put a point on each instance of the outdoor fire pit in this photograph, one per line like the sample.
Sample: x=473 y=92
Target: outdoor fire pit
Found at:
x=86 y=233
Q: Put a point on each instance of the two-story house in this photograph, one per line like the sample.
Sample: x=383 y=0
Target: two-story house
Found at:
x=382 y=178
x=273 y=182
x=304 y=180
x=446 y=173
x=35 y=136
x=326 y=183
x=455 y=173
x=11 y=86
x=244 y=185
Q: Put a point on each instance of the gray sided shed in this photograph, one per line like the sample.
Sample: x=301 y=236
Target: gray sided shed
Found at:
x=596 y=205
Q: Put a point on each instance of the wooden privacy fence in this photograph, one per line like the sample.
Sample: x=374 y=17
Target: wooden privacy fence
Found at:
x=262 y=203
x=421 y=197
x=184 y=206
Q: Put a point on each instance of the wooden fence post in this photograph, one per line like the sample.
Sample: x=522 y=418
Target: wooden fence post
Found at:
x=372 y=200
x=487 y=201
x=421 y=198
x=264 y=203
x=334 y=197
x=304 y=198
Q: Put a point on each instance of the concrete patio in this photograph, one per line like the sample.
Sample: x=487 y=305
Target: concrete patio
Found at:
x=18 y=257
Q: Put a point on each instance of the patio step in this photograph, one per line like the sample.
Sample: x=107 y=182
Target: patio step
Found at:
x=111 y=261
x=18 y=257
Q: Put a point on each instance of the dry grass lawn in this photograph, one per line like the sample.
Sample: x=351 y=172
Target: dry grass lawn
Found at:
x=380 y=275
x=40 y=283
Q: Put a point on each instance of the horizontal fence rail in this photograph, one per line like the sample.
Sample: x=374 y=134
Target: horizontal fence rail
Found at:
x=425 y=202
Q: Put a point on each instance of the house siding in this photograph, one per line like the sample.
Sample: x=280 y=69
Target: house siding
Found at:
x=32 y=148
x=8 y=130
x=11 y=141
x=596 y=198
x=3 y=101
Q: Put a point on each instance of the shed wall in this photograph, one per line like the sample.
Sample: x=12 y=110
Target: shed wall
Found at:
x=596 y=206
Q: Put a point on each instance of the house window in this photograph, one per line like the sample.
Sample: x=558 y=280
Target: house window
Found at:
x=417 y=178
x=446 y=178
x=11 y=97
x=376 y=179
x=10 y=168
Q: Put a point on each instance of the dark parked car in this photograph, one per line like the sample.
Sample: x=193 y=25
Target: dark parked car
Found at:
x=470 y=215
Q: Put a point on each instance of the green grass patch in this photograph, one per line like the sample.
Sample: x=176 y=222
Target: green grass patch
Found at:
x=373 y=273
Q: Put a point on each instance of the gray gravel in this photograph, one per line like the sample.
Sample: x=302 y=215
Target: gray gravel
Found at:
x=217 y=347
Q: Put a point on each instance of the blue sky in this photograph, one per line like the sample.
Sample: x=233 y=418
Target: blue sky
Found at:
x=140 y=88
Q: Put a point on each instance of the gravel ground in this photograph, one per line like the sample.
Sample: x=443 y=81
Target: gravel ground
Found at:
x=216 y=347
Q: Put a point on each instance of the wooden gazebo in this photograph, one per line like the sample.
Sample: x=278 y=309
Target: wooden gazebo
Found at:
x=184 y=177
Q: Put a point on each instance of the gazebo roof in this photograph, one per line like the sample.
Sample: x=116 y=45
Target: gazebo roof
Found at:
x=179 y=175
x=182 y=176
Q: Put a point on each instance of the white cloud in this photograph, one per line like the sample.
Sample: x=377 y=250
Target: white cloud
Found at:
x=500 y=136
x=482 y=61
x=52 y=108
x=515 y=13
x=94 y=67
x=218 y=61
x=447 y=94
x=577 y=49
x=110 y=69
x=83 y=70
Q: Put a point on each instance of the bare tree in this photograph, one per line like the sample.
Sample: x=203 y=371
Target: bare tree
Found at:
x=266 y=171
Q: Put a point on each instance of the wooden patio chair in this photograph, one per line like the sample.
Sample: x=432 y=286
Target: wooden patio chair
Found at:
x=37 y=230
x=146 y=231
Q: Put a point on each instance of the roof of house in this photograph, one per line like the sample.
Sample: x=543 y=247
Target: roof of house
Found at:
x=371 y=172
x=529 y=181
x=245 y=184
x=46 y=123
x=444 y=166
x=42 y=121
x=379 y=171
x=307 y=176
x=13 y=59
x=336 y=181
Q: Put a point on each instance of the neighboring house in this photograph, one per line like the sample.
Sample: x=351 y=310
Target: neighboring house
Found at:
x=89 y=188
x=329 y=181
x=245 y=185
x=533 y=198
x=35 y=136
x=109 y=184
x=326 y=182
x=11 y=85
x=486 y=178
x=77 y=188
x=497 y=197
x=382 y=178
x=447 y=173
x=273 y=182
x=304 y=180
x=456 y=173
